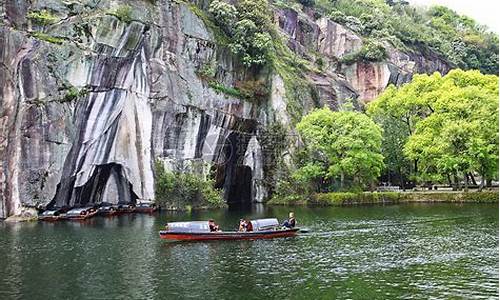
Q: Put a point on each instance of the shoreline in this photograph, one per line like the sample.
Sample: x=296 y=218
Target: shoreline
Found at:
x=347 y=198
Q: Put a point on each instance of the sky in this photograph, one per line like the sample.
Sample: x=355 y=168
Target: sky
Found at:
x=485 y=12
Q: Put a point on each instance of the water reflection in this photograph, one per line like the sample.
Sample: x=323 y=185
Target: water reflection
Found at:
x=408 y=251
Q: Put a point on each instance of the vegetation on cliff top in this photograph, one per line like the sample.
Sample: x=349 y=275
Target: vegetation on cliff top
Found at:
x=457 y=39
x=248 y=25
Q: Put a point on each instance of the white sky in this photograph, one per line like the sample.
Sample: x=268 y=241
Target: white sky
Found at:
x=486 y=12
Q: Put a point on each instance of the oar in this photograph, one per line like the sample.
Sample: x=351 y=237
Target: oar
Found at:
x=304 y=230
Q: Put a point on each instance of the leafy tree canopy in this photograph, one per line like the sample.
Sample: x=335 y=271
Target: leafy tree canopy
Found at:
x=341 y=146
x=449 y=124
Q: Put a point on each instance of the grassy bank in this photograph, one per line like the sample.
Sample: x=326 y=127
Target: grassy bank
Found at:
x=340 y=199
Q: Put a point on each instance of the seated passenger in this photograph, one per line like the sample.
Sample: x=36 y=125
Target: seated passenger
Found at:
x=213 y=227
x=290 y=223
x=242 y=226
x=249 y=226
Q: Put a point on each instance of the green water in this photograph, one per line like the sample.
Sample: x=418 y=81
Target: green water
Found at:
x=437 y=251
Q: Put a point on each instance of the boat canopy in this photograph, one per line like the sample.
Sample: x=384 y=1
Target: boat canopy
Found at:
x=194 y=226
x=77 y=211
x=265 y=224
x=50 y=213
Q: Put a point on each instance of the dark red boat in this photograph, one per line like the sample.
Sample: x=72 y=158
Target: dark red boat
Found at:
x=78 y=214
x=200 y=231
x=50 y=215
x=146 y=207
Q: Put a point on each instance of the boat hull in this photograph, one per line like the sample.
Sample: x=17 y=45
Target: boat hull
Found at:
x=142 y=210
x=188 y=236
x=81 y=217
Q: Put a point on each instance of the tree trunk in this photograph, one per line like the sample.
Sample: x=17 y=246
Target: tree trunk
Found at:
x=473 y=180
x=483 y=181
x=341 y=180
x=456 y=185
x=449 y=180
x=401 y=179
x=466 y=182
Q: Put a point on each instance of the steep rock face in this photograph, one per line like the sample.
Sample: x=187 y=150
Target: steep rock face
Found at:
x=91 y=101
x=85 y=116
x=335 y=40
x=361 y=80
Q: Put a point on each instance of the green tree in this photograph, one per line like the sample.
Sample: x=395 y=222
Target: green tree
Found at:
x=248 y=24
x=344 y=146
x=460 y=136
x=398 y=111
x=448 y=126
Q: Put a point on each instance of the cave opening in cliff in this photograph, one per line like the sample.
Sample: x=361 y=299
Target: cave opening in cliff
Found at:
x=108 y=183
x=231 y=175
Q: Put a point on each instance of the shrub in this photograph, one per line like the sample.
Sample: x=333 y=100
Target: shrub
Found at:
x=42 y=17
x=248 y=26
x=372 y=51
x=182 y=190
x=48 y=38
x=224 y=14
x=123 y=13
x=231 y=91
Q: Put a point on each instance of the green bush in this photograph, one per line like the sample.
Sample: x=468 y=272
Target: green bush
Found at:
x=180 y=191
x=230 y=91
x=455 y=38
x=248 y=26
x=372 y=51
x=48 y=38
x=123 y=13
x=42 y=17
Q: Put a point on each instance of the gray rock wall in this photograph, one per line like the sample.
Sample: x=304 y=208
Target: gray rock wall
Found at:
x=89 y=102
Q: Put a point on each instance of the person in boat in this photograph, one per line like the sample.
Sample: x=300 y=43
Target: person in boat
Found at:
x=290 y=223
x=213 y=226
x=242 y=226
x=249 y=226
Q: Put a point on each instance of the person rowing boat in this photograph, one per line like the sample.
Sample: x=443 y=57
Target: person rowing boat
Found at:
x=290 y=223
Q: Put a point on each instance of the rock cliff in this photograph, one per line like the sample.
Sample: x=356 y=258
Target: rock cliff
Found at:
x=91 y=98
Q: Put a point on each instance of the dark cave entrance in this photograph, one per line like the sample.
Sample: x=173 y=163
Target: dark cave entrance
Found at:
x=108 y=183
x=230 y=173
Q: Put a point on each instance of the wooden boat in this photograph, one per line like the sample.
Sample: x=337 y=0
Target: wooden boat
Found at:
x=80 y=213
x=107 y=210
x=146 y=207
x=50 y=215
x=200 y=231
x=126 y=208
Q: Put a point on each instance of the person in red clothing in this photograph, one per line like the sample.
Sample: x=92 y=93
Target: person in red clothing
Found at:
x=249 y=226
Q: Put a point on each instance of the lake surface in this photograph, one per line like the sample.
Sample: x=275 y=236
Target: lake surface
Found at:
x=423 y=251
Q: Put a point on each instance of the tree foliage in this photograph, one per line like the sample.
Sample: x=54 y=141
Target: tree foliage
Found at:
x=179 y=190
x=248 y=24
x=448 y=125
x=341 y=146
x=458 y=39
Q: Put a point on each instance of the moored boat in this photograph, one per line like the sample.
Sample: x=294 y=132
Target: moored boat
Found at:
x=200 y=231
x=80 y=213
x=126 y=208
x=50 y=215
x=146 y=207
x=107 y=210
